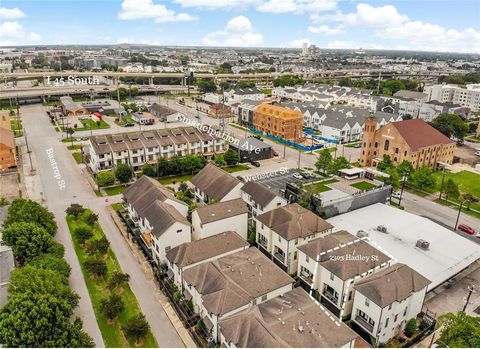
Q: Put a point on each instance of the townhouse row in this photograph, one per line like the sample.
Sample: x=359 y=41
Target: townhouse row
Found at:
x=230 y=284
x=138 y=148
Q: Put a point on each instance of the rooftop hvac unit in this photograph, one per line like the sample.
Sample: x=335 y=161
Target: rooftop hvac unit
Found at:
x=423 y=244
x=382 y=229
x=362 y=234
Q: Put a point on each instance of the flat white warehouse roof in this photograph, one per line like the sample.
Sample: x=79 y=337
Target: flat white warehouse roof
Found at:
x=448 y=253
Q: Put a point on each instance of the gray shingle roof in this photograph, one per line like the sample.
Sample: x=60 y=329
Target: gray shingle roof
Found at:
x=221 y=210
x=394 y=283
x=214 y=182
x=259 y=192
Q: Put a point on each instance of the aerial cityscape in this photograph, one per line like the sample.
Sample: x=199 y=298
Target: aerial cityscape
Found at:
x=239 y=174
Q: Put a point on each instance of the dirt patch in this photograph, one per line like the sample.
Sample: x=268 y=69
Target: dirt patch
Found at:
x=9 y=185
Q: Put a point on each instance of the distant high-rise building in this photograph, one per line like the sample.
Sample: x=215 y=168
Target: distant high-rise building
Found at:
x=305 y=49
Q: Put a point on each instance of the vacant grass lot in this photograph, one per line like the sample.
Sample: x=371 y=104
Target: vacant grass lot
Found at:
x=236 y=168
x=320 y=187
x=468 y=182
x=115 y=190
x=90 y=124
x=112 y=334
x=363 y=185
x=176 y=179
x=78 y=157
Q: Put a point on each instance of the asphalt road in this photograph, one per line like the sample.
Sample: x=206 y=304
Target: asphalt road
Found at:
x=42 y=136
x=443 y=215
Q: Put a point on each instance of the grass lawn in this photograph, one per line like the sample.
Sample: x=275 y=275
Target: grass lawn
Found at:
x=455 y=207
x=352 y=145
x=468 y=182
x=74 y=147
x=176 y=179
x=98 y=193
x=112 y=334
x=68 y=140
x=236 y=168
x=78 y=157
x=115 y=190
x=17 y=127
x=320 y=187
x=363 y=185
x=473 y=139
x=87 y=124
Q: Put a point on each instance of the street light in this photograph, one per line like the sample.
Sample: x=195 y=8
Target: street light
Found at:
x=403 y=185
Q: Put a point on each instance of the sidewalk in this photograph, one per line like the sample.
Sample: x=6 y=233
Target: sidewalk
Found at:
x=172 y=315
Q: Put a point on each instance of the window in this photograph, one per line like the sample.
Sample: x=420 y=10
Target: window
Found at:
x=307 y=259
x=387 y=145
x=390 y=307
x=405 y=311
x=376 y=144
x=296 y=241
x=179 y=230
x=264 y=298
x=367 y=302
x=395 y=319
x=350 y=295
x=295 y=256
x=332 y=277
x=279 y=238
x=386 y=322
x=167 y=249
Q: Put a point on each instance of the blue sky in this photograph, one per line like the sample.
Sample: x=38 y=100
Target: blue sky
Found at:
x=442 y=25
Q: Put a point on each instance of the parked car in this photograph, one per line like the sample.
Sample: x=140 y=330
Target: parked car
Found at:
x=275 y=153
x=84 y=138
x=255 y=163
x=466 y=229
x=305 y=175
x=358 y=145
x=128 y=124
x=297 y=175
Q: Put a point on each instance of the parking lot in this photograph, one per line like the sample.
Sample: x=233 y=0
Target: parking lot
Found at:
x=278 y=182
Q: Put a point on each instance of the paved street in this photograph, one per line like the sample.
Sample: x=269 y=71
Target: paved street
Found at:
x=42 y=136
x=439 y=213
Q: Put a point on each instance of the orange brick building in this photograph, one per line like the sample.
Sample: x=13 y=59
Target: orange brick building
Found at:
x=7 y=149
x=279 y=121
x=412 y=140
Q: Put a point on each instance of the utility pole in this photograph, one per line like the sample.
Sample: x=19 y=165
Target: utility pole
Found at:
x=441 y=186
x=28 y=150
x=403 y=185
x=471 y=289
x=458 y=216
x=378 y=84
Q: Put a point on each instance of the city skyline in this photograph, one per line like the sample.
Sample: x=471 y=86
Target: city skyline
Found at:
x=393 y=25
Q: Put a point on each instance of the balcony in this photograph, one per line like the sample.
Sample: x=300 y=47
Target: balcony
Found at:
x=280 y=257
x=308 y=278
x=263 y=243
x=364 y=323
x=331 y=297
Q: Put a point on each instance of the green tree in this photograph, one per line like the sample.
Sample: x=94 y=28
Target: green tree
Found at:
x=346 y=81
x=206 y=85
x=22 y=210
x=32 y=280
x=105 y=178
x=118 y=280
x=112 y=306
x=459 y=331
x=97 y=267
x=324 y=160
x=40 y=320
x=423 y=178
x=469 y=198
x=123 y=173
x=98 y=246
x=56 y=249
x=385 y=163
x=50 y=262
x=394 y=85
x=91 y=219
x=338 y=164
x=183 y=186
x=245 y=84
x=404 y=168
x=82 y=233
x=394 y=177
x=75 y=210
x=136 y=327
x=451 y=125
x=28 y=240
x=231 y=157
x=411 y=327
x=149 y=170
x=450 y=189
x=288 y=80
x=219 y=160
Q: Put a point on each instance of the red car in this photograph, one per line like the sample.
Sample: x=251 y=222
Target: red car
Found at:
x=465 y=228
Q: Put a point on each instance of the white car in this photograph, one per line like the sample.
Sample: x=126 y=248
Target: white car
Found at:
x=477 y=153
x=297 y=175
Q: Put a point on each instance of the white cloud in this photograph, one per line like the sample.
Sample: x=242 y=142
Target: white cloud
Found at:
x=237 y=32
x=11 y=13
x=387 y=23
x=325 y=29
x=14 y=30
x=215 y=4
x=297 y=6
x=141 y=9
